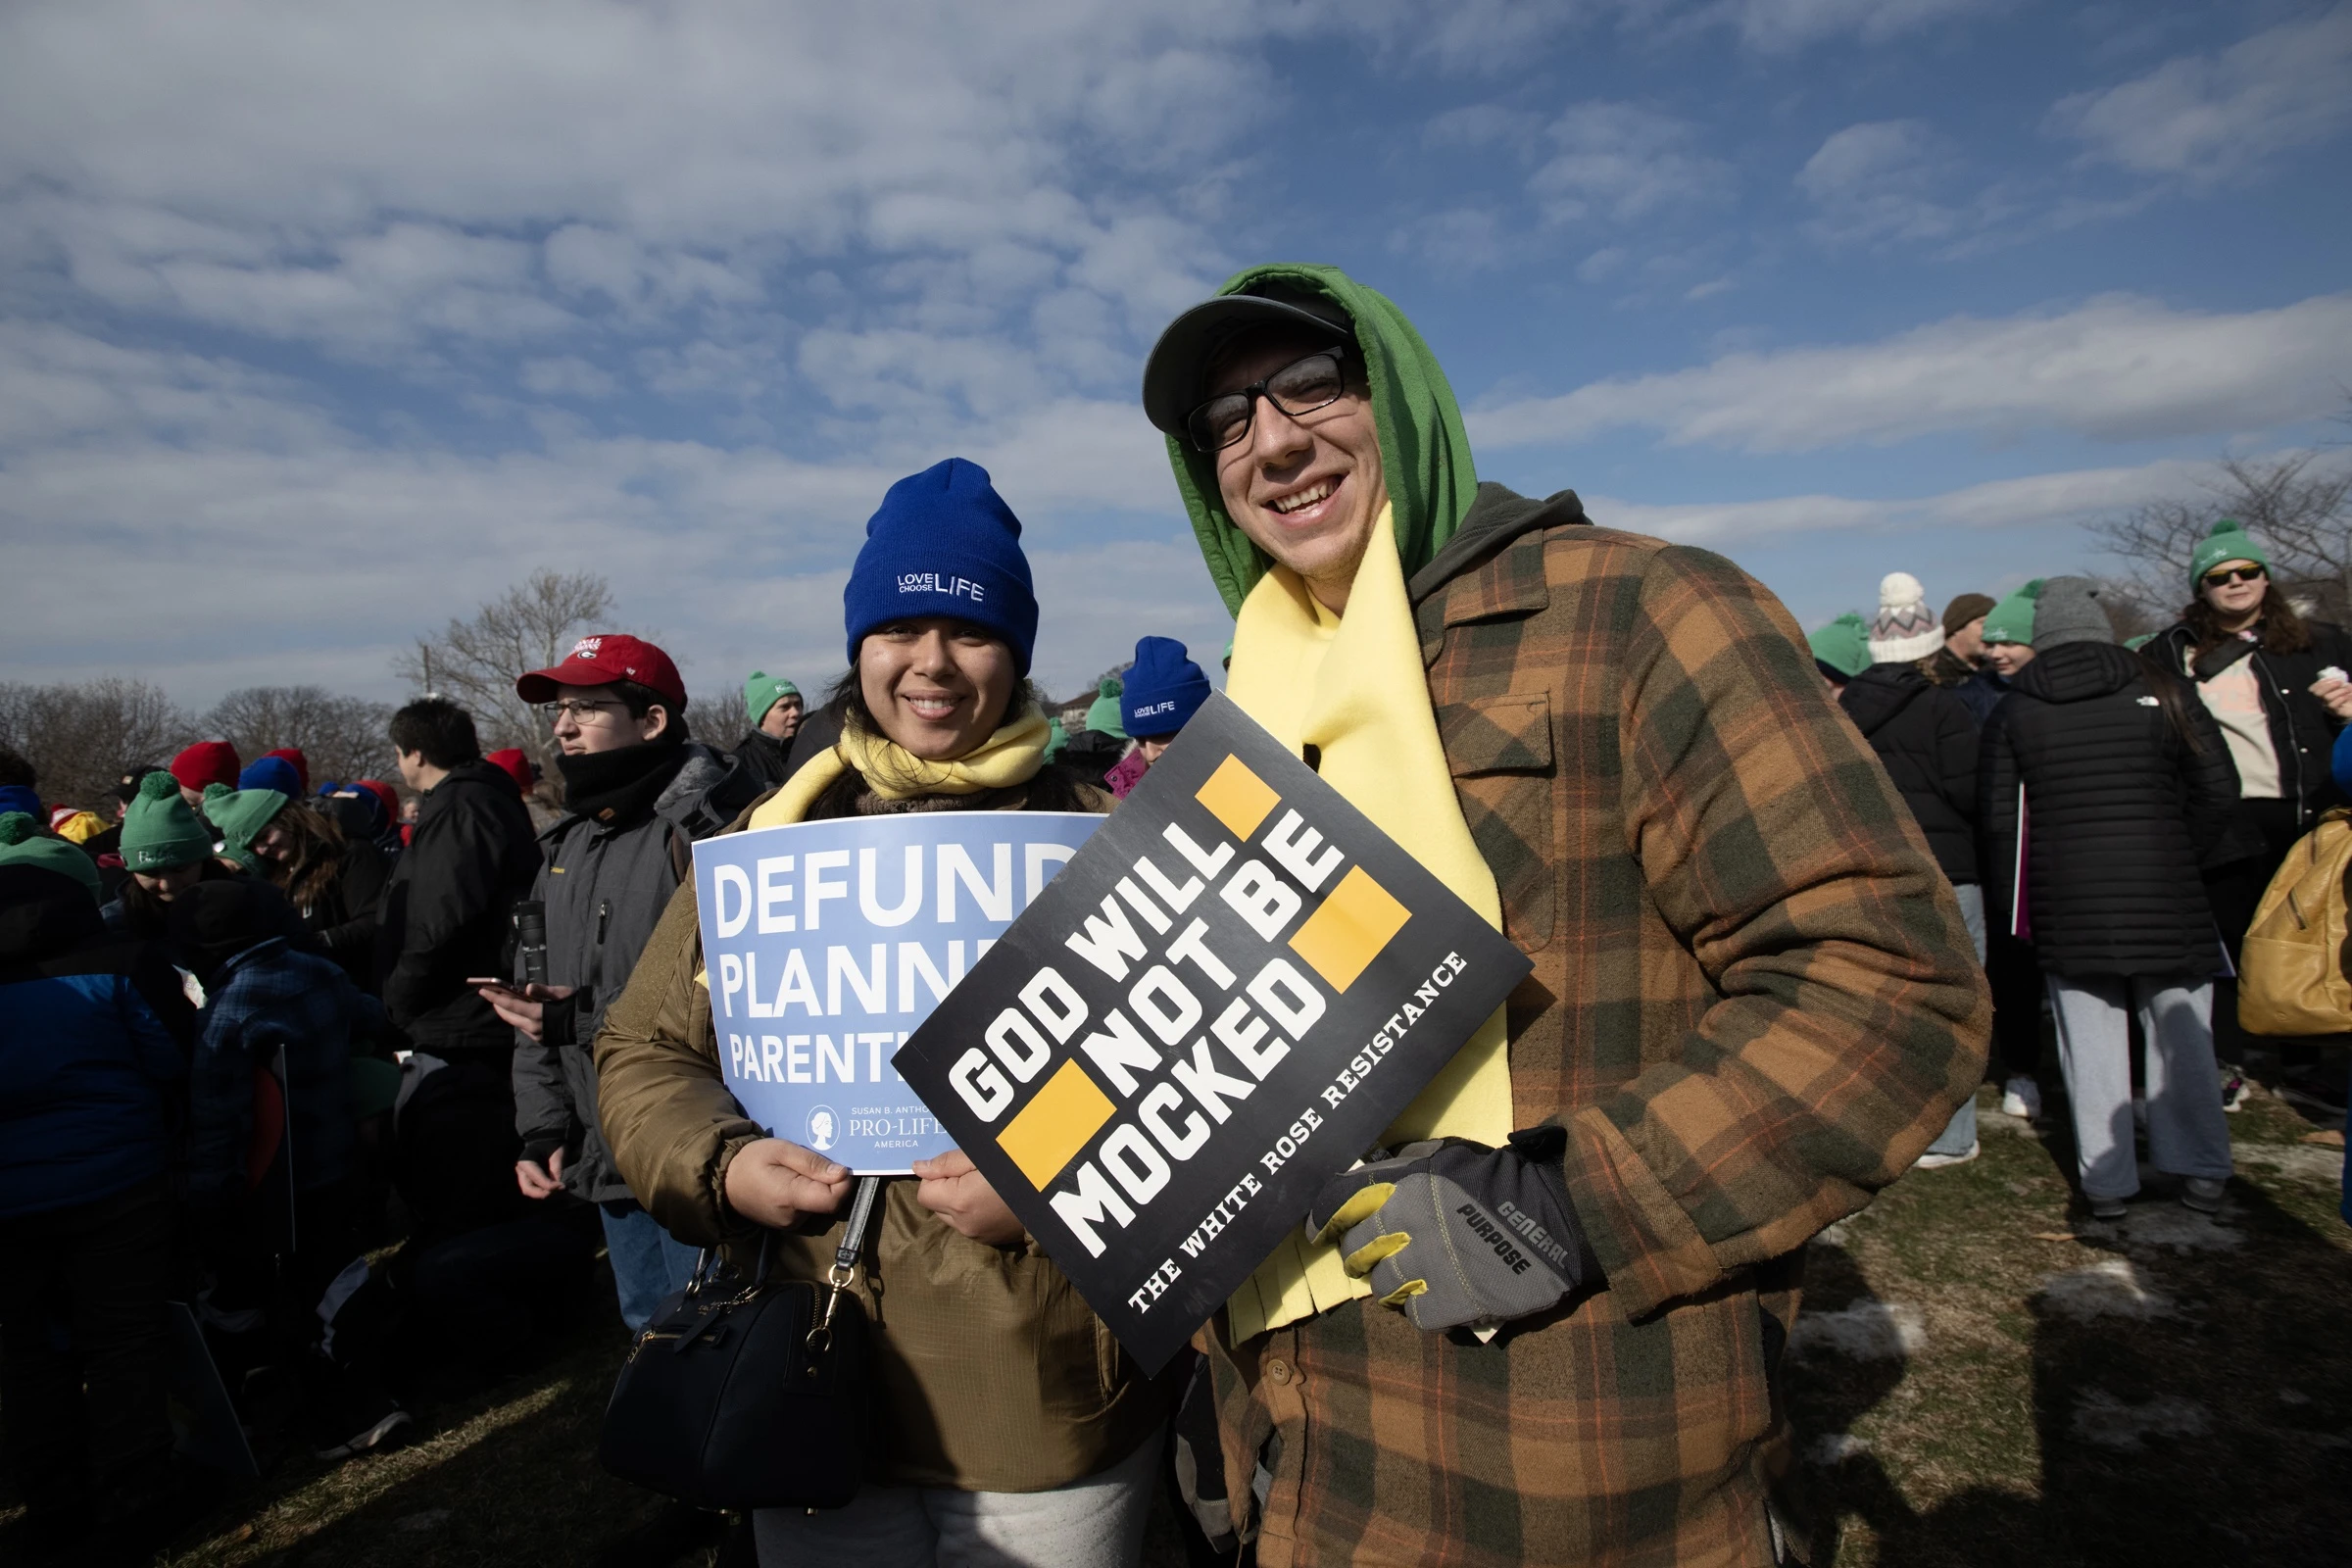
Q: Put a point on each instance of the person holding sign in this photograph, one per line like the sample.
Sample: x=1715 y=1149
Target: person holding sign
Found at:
x=1162 y=691
x=1009 y=1413
x=1753 y=1000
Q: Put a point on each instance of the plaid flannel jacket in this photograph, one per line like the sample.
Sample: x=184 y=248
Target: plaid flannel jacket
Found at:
x=1755 y=1003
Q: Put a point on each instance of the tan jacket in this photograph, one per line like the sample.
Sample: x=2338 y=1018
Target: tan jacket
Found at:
x=996 y=1375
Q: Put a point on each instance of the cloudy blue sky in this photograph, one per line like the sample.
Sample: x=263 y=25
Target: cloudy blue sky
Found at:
x=320 y=321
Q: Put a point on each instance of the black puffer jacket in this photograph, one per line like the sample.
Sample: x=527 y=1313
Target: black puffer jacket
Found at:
x=2302 y=730
x=2122 y=809
x=1927 y=739
x=446 y=911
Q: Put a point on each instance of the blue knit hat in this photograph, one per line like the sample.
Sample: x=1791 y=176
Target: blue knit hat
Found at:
x=1164 y=688
x=23 y=798
x=271 y=773
x=943 y=544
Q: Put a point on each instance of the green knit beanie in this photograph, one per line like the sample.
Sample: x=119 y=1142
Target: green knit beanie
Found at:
x=2012 y=620
x=1103 y=715
x=1843 y=645
x=239 y=816
x=23 y=843
x=2228 y=542
x=763 y=691
x=159 y=831
x=1057 y=740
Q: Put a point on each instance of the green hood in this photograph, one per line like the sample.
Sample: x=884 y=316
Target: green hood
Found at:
x=1424 y=451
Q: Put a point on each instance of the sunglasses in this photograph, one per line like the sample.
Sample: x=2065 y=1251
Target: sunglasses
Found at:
x=1298 y=387
x=2229 y=574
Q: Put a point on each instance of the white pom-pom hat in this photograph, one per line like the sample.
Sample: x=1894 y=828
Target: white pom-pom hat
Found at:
x=1904 y=629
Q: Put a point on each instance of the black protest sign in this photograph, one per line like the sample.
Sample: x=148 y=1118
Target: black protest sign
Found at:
x=1220 y=1003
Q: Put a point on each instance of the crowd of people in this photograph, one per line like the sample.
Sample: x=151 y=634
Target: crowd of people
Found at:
x=369 y=1075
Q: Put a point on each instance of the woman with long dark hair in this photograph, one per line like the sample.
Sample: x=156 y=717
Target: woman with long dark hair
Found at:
x=1015 y=1428
x=333 y=882
x=2275 y=684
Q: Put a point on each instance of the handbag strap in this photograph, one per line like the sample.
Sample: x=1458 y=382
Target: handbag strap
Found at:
x=844 y=1261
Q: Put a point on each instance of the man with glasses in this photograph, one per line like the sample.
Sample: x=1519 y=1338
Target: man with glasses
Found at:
x=637 y=791
x=1754 y=1002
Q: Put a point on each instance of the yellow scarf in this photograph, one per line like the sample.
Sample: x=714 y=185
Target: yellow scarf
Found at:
x=1355 y=687
x=1011 y=756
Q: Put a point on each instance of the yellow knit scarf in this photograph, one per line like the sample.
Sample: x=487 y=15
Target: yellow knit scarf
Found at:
x=1011 y=756
x=1355 y=687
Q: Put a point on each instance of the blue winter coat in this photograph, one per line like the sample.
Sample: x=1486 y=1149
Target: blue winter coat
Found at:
x=295 y=1015
x=93 y=1046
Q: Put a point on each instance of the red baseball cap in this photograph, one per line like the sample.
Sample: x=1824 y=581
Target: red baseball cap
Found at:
x=384 y=794
x=602 y=660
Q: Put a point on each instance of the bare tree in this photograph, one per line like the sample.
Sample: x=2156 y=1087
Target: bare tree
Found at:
x=530 y=627
x=81 y=737
x=340 y=737
x=2299 y=507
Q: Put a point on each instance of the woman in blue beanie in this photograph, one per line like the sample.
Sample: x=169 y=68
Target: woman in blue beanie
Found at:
x=1165 y=689
x=1008 y=1411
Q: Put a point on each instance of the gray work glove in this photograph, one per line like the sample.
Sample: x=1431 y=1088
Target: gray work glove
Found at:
x=1457 y=1234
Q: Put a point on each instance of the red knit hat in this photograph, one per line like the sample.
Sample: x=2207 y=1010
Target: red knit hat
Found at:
x=602 y=660
x=515 y=765
x=384 y=793
x=300 y=763
x=206 y=763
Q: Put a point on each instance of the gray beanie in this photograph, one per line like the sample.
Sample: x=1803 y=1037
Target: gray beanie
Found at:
x=2069 y=612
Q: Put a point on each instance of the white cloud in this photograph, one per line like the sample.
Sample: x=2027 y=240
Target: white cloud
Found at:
x=1779 y=26
x=568 y=378
x=2113 y=368
x=2207 y=117
x=1623 y=162
x=2036 y=500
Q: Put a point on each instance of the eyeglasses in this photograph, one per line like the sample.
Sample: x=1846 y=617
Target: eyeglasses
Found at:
x=2229 y=574
x=579 y=710
x=1298 y=387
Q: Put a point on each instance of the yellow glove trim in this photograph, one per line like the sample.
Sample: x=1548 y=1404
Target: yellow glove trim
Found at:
x=1405 y=1293
x=1357 y=1209
x=1365 y=1258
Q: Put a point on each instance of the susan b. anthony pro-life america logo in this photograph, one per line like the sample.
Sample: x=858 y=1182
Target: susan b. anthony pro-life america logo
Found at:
x=824 y=1128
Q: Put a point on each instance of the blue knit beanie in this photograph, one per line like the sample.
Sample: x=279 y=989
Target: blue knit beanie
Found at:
x=943 y=544
x=271 y=773
x=1165 y=689
x=23 y=798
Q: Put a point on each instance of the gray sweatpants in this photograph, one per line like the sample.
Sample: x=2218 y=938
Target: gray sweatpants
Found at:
x=1094 y=1523
x=2187 y=1133
x=1959 y=1135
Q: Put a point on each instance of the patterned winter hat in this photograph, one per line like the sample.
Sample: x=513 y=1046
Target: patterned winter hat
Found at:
x=1904 y=629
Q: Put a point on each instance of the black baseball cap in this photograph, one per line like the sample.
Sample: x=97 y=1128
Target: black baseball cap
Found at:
x=1179 y=362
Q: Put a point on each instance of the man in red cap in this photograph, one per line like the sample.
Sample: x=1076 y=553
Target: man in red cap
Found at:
x=204 y=763
x=637 y=792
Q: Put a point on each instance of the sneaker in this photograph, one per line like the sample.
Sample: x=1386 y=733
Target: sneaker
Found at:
x=2022 y=1096
x=2234 y=1092
x=380 y=1433
x=2107 y=1209
x=1940 y=1162
x=2202 y=1193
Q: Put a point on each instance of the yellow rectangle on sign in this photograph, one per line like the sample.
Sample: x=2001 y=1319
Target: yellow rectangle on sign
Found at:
x=1342 y=938
x=1238 y=798
x=1054 y=1125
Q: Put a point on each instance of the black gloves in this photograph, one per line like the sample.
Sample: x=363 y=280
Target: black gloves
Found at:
x=1457 y=1234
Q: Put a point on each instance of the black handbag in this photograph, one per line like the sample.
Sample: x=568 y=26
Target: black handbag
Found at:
x=751 y=1395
